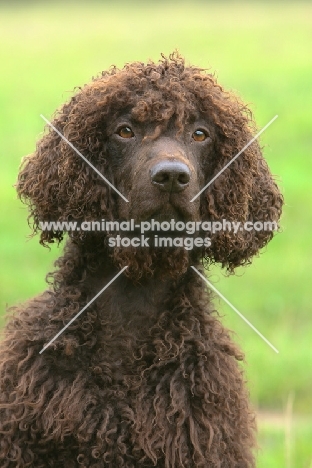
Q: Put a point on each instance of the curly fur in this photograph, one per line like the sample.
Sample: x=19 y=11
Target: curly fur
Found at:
x=147 y=376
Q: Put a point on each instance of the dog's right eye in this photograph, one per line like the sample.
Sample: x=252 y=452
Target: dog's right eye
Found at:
x=125 y=132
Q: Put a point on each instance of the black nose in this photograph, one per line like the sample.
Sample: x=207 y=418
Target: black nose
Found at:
x=170 y=176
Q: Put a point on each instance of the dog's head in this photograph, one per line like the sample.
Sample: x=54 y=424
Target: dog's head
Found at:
x=158 y=133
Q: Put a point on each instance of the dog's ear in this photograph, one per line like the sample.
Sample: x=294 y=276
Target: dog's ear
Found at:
x=245 y=192
x=55 y=181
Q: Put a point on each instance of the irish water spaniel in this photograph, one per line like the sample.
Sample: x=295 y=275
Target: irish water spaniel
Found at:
x=146 y=376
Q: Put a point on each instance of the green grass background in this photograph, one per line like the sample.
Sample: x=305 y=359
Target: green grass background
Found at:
x=262 y=51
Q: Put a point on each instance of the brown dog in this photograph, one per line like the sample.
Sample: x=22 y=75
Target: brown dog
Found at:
x=146 y=376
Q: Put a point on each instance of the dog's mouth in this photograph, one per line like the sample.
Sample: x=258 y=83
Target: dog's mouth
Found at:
x=166 y=221
x=160 y=207
x=167 y=213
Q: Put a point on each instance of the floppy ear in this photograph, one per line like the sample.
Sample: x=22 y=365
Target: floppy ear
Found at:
x=55 y=182
x=244 y=192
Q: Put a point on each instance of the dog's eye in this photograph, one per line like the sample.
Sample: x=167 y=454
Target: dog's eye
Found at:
x=125 y=132
x=199 y=135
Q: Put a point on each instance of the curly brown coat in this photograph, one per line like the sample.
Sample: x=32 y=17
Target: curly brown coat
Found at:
x=147 y=375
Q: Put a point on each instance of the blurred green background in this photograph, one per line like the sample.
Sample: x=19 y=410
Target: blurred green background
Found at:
x=262 y=51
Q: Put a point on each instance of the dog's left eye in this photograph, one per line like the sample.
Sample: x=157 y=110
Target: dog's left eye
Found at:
x=199 y=135
x=125 y=132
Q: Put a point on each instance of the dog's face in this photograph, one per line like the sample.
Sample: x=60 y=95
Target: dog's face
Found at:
x=159 y=170
x=159 y=133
